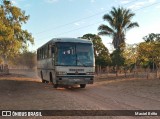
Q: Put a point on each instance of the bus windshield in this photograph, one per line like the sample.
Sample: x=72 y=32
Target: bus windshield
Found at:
x=74 y=54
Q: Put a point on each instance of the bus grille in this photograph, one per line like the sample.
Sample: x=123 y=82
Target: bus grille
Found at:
x=76 y=74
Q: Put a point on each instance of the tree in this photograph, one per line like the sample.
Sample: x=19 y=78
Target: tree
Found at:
x=150 y=49
x=119 y=22
x=117 y=59
x=131 y=56
x=13 y=39
x=149 y=52
x=152 y=37
x=100 y=51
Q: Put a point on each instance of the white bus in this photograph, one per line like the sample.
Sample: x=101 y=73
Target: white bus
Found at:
x=66 y=61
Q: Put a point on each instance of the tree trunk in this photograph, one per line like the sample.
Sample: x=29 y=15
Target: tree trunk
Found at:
x=153 y=66
x=116 y=71
x=125 y=73
x=135 y=70
x=106 y=70
x=157 y=70
x=4 y=59
x=5 y=64
x=147 y=73
x=156 y=73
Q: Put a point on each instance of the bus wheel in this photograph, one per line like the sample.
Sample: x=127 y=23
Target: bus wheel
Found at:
x=55 y=85
x=82 y=85
x=51 y=80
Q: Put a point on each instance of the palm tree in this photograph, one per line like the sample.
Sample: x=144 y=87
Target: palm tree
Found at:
x=119 y=22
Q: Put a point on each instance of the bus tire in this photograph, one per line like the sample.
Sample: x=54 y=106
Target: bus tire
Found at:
x=43 y=81
x=51 y=80
x=55 y=85
x=82 y=85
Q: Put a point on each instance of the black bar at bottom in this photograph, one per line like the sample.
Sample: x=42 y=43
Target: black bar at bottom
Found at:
x=79 y=112
x=101 y=113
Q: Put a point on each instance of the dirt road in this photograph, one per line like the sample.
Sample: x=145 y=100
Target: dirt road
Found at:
x=24 y=91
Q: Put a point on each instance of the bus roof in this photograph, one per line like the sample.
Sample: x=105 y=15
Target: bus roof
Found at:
x=72 y=40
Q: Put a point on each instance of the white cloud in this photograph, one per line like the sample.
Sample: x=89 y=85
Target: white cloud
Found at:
x=137 y=5
x=51 y=1
x=152 y=1
x=101 y=8
x=142 y=3
x=124 y=1
x=70 y=0
x=92 y=1
x=27 y=6
x=157 y=7
x=79 y=23
x=116 y=1
x=14 y=2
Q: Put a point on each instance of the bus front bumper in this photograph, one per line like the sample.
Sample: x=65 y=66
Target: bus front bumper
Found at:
x=74 y=80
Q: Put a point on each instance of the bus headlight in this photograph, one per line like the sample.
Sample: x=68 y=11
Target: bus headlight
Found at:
x=90 y=73
x=61 y=73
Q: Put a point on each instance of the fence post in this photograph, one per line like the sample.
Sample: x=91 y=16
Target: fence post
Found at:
x=6 y=69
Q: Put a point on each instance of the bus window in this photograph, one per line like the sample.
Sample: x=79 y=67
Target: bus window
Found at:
x=37 y=54
x=40 y=53
x=49 y=51
x=52 y=51
x=45 y=52
x=74 y=54
x=84 y=54
x=66 y=54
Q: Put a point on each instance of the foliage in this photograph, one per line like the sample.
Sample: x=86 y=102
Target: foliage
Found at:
x=117 y=58
x=119 y=22
x=13 y=38
x=1 y=61
x=100 y=51
x=131 y=56
x=149 y=51
x=152 y=37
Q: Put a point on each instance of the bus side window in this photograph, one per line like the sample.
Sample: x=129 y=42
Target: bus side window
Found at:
x=52 y=51
x=42 y=53
x=45 y=52
x=37 y=54
x=48 y=51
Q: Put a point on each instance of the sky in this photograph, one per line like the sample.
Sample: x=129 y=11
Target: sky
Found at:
x=74 y=18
